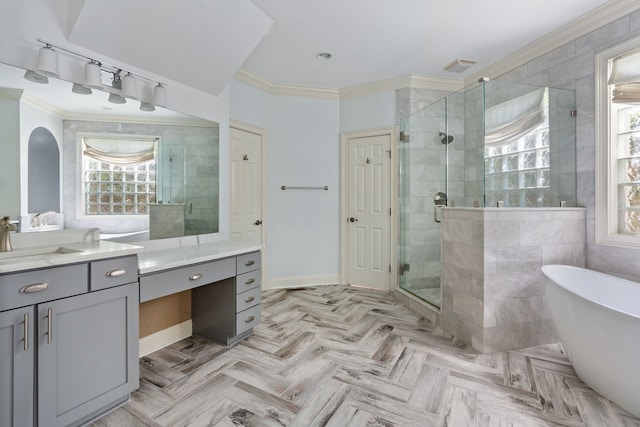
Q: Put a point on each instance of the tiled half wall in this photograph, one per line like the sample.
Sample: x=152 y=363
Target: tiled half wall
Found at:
x=492 y=286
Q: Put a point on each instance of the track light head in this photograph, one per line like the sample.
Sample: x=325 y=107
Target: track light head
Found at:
x=129 y=86
x=160 y=96
x=32 y=76
x=47 y=64
x=92 y=76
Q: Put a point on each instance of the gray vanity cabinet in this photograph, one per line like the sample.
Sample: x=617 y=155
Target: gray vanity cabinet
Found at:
x=87 y=354
x=238 y=309
x=80 y=357
x=16 y=367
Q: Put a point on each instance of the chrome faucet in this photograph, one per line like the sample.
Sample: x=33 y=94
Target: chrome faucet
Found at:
x=5 y=234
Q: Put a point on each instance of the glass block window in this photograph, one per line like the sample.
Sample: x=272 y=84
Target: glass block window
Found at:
x=518 y=173
x=118 y=177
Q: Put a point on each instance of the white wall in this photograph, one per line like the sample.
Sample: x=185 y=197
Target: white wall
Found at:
x=368 y=112
x=302 y=226
x=9 y=159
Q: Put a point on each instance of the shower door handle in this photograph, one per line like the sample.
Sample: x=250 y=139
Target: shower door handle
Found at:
x=435 y=213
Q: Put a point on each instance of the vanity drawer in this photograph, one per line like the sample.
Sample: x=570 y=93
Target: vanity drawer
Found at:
x=157 y=285
x=248 y=262
x=247 y=319
x=250 y=280
x=37 y=286
x=248 y=299
x=113 y=272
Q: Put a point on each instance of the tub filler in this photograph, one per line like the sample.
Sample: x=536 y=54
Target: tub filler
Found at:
x=597 y=318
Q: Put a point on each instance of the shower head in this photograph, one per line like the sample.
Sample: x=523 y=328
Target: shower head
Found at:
x=446 y=139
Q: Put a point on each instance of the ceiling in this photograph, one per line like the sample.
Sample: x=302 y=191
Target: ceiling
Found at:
x=381 y=39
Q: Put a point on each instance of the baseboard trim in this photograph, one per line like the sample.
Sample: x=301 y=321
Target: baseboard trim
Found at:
x=165 y=337
x=299 y=281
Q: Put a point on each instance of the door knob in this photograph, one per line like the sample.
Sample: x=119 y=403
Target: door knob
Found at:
x=258 y=222
x=352 y=219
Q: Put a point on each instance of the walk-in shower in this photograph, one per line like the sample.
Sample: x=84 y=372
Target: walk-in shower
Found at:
x=493 y=144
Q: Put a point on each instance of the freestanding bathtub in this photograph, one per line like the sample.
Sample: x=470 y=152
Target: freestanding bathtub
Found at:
x=597 y=318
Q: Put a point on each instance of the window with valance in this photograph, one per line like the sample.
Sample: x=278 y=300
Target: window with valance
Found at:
x=119 y=174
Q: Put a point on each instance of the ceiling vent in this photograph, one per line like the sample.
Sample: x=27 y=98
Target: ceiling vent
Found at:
x=459 y=65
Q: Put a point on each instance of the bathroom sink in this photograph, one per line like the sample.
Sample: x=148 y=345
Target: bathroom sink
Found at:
x=34 y=254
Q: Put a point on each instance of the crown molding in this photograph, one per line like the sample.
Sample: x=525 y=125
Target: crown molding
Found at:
x=252 y=79
x=598 y=17
x=89 y=117
x=413 y=80
x=31 y=100
x=11 y=93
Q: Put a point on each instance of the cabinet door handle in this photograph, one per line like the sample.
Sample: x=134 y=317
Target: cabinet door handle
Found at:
x=49 y=326
x=250 y=262
x=36 y=287
x=249 y=299
x=116 y=273
x=196 y=276
x=249 y=319
x=26 y=332
x=249 y=281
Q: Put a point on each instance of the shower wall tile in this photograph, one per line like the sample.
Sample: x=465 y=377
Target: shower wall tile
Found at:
x=496 y=302
x=577 y=69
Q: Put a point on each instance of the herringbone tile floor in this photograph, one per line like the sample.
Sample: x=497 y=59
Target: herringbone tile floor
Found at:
x=340 y=356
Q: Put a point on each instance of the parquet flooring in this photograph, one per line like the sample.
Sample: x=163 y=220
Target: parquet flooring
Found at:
x=341 y=356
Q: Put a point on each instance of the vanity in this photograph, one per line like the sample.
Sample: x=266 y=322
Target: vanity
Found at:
x=69 y=315
x=224 y=278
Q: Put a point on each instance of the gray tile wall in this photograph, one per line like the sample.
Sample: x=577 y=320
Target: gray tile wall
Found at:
x=572 y=66
x=492 y=286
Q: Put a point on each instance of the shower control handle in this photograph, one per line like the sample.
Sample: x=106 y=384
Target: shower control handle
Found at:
x=352 y=219
x=435 y=213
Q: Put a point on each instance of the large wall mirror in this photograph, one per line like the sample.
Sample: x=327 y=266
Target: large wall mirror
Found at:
x=136 y=175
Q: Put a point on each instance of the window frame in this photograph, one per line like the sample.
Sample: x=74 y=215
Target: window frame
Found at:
x=80 y=190
x=606 y=194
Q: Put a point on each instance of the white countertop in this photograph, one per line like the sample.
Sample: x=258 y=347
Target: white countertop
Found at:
x=32 y=257
x=151 y=261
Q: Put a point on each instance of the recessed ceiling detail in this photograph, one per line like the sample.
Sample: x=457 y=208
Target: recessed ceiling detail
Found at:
x=386 y=39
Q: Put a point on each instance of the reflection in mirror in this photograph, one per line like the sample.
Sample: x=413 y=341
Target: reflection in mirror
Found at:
x=170 y=193
x=44 y=172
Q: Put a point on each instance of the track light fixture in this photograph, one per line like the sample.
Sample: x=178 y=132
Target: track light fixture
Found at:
x=124 y=81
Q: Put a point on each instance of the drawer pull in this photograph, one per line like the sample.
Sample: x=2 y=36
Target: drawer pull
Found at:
x=250 y=262
x=26 y=332
x=249 y=299
x=49 y=326
x=249 y=319
x=249 y=281
x=195 y=277
x=116 y=273
x=36 y=287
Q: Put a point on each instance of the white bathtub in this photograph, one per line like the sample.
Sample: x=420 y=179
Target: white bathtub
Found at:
x=597 y=318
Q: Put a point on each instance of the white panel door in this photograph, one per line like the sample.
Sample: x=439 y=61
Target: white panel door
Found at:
x=245 y=219
x=369 y=200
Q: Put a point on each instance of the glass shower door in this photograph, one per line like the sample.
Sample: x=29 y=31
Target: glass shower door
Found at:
x=423 y=149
